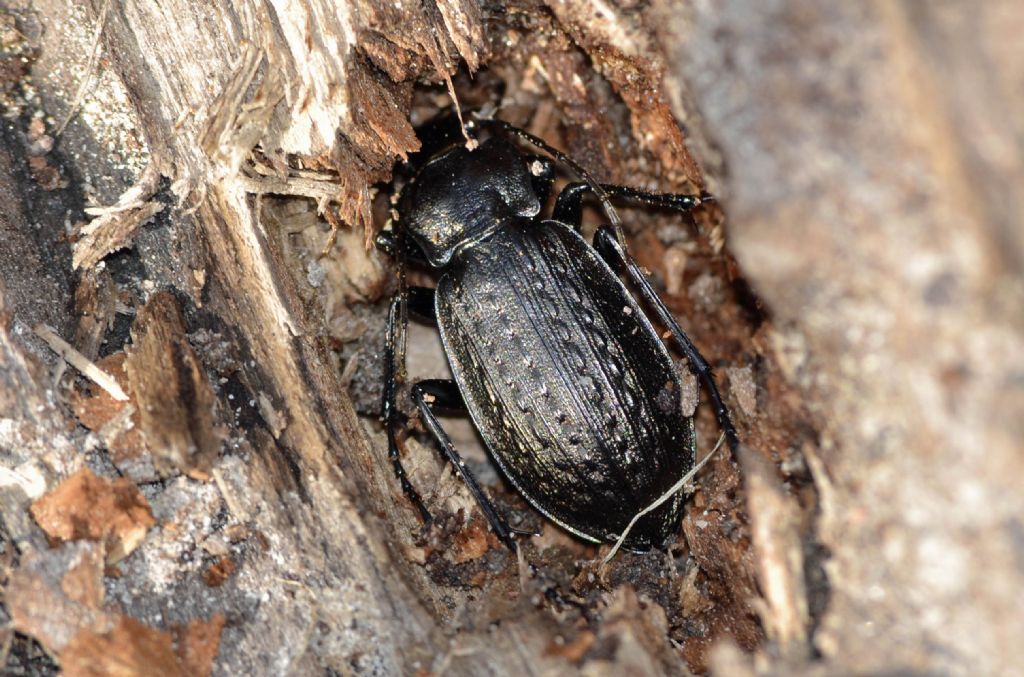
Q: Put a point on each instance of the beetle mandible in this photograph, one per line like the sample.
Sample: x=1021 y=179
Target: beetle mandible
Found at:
x=565 y=377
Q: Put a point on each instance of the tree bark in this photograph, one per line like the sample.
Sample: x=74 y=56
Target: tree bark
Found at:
x=870 y=161
x=867 y=333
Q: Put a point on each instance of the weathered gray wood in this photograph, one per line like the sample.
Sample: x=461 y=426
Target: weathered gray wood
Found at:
x=871 y=164
x=326 y=582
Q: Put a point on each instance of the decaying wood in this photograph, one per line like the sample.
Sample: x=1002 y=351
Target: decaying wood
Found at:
x=870 y=161
x=115 y=228
x=86 y=507
x=777 y=541
x=80 y=362
x=40 y=604
x=880 y=431
x=112 y=234
x=176 y=402
x=329 y=568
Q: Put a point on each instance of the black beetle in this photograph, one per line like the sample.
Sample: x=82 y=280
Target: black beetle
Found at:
x=564 y=375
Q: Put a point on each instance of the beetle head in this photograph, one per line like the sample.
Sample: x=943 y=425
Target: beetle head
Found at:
x=463 y=196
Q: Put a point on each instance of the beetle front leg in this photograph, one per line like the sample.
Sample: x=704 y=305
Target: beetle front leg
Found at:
x=442 y=394
x=569 y=204
x=611 y=251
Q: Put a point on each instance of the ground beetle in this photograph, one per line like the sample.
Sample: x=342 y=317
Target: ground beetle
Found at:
x=564 y=375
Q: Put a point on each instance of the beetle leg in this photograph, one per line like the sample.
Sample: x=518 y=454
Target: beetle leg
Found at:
x=569 y=204
x=443 y=394
x=389 y=411
x=611 y=251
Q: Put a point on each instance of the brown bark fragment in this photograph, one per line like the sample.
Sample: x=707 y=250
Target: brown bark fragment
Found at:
x=197 y=644
x=573 y=651
x=621 y=47
x=54 y=595
x=219 y=572
x=45 y=174
x=85 y=506
x=175 y=399
x=83 y=583
x=95 y=308
x=129 y=649
x=117 y=423
x=463 y=21
x=470 y=543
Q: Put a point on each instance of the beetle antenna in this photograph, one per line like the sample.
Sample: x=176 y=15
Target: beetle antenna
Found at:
x=599 y=192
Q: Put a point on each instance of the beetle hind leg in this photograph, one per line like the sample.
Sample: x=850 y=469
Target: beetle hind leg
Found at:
x=442 y=394
x=611 y=251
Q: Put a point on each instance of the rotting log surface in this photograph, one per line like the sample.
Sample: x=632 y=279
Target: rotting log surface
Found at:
x=287 y=540
x=890 y=281
x=871 y=164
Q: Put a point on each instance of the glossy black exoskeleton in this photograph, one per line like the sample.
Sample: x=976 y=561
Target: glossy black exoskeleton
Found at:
x=562 y=372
